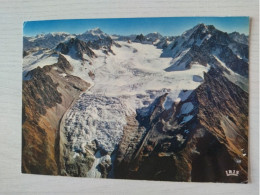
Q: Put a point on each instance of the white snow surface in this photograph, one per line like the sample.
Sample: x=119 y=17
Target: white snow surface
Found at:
x=175 y=63
x=129 y=80
x=234 y=77
x=207 y=37
x=39 y=58
x=80 y=68
x=187 y=108
x=187 y=119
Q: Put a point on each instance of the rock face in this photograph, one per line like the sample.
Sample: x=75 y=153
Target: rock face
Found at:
x=240 y=38
x=203 y=42
x=49 y=40
x=46 y=96
x=196 y=140
x=76 y=48
x=140 y=38
x=155 y=39
x=103 y=44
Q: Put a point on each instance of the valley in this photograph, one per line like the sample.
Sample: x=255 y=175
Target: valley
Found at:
x=138 y=107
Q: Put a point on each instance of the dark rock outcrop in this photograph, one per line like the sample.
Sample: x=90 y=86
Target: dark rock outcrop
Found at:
x=240 y=38
x=139 y=38
x=77 y=48
x=104 y=44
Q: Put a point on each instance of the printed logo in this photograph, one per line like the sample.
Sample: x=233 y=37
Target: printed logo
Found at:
x=232 y=173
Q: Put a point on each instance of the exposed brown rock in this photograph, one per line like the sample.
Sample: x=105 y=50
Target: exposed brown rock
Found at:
x=46 y=97
x=202 y=149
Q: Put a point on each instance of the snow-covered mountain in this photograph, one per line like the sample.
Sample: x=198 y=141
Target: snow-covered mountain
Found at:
x=139 y=97
x=123 y=37
x=206 y=44
x=240 y=38
x=76 y=49
x=95 y=37
x=49 y=40
x=38 y=57
x=92 y=35
x=155 y=38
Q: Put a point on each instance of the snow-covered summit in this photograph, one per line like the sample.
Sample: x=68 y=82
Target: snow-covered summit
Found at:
x=200 y=43
x=49 y=40
x=76 y=48
x=94 y=31
x=198 y=27
x=240 y=38
x=153 y=36
x=92 y=35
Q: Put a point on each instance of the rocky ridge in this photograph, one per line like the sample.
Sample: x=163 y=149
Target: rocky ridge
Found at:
x=46 y=96
x=205 y=42
x=198 y=144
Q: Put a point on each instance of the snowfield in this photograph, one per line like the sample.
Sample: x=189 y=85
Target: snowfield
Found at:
x=39 y=58
x=121 y=85
x=125 y=82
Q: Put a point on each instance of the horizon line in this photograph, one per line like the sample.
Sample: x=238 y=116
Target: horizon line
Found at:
x=125 y=35
x=166 y=26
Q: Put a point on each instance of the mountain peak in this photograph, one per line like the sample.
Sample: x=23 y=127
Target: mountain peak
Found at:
x=201 y=25
x=95 y=31
x=239 y=37
x=59 y=33
x=153 y=35
x=76 y=48
x=198 y=28
x=236 y=33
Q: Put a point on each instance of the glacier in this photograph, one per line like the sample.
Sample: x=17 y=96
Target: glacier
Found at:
x=128 y=81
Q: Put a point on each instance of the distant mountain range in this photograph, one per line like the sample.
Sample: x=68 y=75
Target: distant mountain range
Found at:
x=50 y=40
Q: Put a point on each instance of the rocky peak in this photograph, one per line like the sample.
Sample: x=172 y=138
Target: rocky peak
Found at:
x=92 y=35
x=153 y=36
x=192 y=140
x=140 y=38
x=240 y=38
x=63 y=64
x=49 y=40
x=97 y=39
x=76 y=48
x=198 y=29
x=201 y=44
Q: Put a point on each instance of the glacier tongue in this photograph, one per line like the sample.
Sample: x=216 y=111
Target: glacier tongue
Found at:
x=128 y=81
x=96 y=117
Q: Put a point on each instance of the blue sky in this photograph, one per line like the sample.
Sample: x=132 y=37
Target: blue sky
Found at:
x=127 y=26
